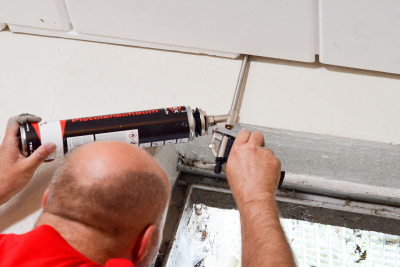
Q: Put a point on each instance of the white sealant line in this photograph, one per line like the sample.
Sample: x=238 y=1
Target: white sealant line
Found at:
x=341 y=186
x=210 y=188
x=72 y=34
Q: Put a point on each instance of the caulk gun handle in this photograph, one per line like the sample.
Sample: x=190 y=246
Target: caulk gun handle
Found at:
x=219 y=161
x=281 y=179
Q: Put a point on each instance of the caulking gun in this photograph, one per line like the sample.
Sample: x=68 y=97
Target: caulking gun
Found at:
x=148 y=128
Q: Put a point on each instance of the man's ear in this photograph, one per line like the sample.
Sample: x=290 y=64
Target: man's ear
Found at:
x=142 y=244
x=45 y=195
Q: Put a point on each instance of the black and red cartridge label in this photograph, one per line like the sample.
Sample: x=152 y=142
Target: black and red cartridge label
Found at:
x=142 y=128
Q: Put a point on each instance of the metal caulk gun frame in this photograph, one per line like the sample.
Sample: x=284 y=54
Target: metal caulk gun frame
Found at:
x=225 y=135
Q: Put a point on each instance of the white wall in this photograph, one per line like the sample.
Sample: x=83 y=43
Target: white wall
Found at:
x=57 y=78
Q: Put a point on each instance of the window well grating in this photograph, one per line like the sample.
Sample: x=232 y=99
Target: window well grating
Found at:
x=211 y=237
x=324 y=245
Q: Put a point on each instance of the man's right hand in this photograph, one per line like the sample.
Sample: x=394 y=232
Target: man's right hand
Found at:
x=253 y=172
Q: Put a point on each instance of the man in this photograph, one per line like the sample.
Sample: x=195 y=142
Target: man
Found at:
x=107 y=202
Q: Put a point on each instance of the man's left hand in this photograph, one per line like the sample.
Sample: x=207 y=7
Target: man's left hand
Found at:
x=15 y=170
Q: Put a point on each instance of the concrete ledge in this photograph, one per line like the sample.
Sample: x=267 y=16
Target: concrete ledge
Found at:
x=319 y=164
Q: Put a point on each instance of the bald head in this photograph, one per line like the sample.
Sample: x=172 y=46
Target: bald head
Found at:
x=116 y=188
x=99 y=159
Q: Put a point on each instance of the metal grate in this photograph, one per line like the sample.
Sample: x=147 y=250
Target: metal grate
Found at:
x=325 y=245
x=211 y=237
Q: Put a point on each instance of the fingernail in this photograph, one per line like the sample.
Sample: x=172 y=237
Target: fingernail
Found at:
x=51 y=147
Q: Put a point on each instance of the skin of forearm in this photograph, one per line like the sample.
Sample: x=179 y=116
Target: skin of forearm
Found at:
x=263 y=240
x=4 y=191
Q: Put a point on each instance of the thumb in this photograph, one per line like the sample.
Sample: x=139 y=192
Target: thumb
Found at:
x=37 y=157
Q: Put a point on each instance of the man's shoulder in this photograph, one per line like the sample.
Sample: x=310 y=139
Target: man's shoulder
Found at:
x=11 y=239
x=119 y=263
x=43 y=246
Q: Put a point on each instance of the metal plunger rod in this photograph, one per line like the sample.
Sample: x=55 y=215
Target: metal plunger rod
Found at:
x=233 y=113
x=230 y=123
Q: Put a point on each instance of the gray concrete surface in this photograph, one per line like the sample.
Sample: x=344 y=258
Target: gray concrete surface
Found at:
x=322 y=164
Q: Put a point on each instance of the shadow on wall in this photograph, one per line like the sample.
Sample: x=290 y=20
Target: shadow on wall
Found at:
x=29 y=200
x=318 y=65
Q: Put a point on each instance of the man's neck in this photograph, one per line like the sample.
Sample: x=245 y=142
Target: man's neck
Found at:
x=90 y=242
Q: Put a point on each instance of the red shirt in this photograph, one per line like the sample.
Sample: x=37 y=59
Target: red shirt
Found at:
x=44 y=246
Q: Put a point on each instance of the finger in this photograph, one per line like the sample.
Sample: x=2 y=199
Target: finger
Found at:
x=257 y=139
x=269 y=150
x=37 y=157
x=13 y=123
x=242 y=137
x=26 y=117
x=11 y=136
